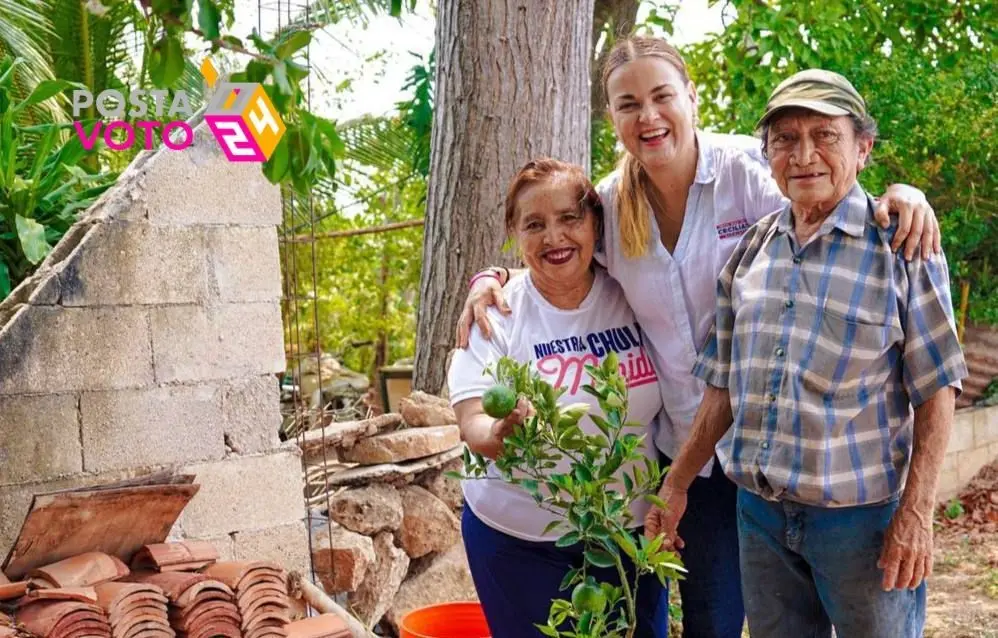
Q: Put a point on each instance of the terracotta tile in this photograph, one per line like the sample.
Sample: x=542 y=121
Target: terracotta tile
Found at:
x=266 y=618
x=53 y=617
x=125 y=614
x=236 y=574
x=161 y=556
x=323 y=626
x=81 y=594
x=82 y=570
x=216 y=630
x=11 y=591
x=110 y=595
x=255 y=590
x=214 y=610
x=173 y=584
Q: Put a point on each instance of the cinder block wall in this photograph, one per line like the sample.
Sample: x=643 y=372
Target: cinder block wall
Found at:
x=151 y=339
x=972 y=445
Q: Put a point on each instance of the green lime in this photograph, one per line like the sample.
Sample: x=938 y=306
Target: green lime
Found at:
x=588 y=597
x=498 y=401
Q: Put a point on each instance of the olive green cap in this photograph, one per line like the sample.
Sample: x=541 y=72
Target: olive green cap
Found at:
x=818 y=90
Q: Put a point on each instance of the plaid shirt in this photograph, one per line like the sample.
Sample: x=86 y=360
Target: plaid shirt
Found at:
x=826 y=350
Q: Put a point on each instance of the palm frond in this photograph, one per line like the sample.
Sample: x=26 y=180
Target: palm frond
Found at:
x=24 y=32
x=377 y=142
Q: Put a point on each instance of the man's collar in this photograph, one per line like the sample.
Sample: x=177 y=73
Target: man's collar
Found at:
x=850 y=215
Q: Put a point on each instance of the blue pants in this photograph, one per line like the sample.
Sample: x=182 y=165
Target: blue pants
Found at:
x=711 y=592
x=516 y=581
x=806 y=569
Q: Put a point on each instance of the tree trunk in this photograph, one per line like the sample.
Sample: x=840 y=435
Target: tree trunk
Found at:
x=617 y=18
x=512 y=84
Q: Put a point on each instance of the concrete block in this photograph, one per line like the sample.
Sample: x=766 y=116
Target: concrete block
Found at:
x=196 y=343
x=200 y=186
x=54 y=349
x=252 y=414
x=136 y=263
x=39 y=437
x=155 y=426
x=985 y=426
x=286 y=545
x=948 y=486
x=949 y=462
x=971 y=462
x=248 y=492
x=962 y=436
x=246 y=263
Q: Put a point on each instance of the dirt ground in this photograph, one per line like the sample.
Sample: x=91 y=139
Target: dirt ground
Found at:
x=963 y=591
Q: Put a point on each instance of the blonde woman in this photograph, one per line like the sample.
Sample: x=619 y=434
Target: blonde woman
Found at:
x=675 y=209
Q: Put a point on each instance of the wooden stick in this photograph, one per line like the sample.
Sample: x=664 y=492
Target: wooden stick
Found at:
x=300 y=589
x=964 y=299
x=353 y=232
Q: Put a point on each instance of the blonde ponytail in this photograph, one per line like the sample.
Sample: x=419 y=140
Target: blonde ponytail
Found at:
x=633 y=214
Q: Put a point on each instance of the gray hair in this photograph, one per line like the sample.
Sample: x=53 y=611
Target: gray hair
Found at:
x=864 y=127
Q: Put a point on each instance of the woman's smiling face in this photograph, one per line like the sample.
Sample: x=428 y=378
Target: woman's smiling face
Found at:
x=556 y=233
x=652 y=108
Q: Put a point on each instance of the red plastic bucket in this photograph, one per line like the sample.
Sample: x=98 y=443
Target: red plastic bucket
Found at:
x=446 y=620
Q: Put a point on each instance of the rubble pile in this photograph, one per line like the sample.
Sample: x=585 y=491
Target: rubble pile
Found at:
x=386 y=530
x=978 y=504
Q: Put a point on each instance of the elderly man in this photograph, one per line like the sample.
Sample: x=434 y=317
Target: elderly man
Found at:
x=831 y=377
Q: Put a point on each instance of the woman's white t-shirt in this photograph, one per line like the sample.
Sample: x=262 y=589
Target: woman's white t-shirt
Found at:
x=559 y=343
x=674 y=294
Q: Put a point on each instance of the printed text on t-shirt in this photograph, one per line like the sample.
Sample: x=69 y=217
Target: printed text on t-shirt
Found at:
x=564 y=360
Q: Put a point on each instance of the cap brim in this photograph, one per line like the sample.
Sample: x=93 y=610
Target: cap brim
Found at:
x=812 y=105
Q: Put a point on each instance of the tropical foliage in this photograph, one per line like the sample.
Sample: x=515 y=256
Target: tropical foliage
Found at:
x=931 y=81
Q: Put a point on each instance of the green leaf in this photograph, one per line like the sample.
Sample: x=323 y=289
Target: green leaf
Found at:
x=209 y=19
x=550 y=527
x=569 y=578
x=655 y=500
x=166 y=61
x=5 y=285
x=293 y=44
x=275 y=168
x=396 y=8
x=31 y=234
x=47 y=89
x=599 y=558
x=568 y=540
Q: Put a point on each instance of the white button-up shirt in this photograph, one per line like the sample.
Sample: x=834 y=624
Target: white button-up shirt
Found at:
x=674 y=295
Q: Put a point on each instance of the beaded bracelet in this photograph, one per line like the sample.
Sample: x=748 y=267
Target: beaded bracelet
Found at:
x=482 y=275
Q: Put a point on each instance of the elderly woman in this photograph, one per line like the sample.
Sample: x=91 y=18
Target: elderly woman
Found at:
x=831 y=373
x=567 y=313
x=675 y=210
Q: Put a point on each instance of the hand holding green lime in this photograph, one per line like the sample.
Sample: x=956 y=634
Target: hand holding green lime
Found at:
x=498 y=401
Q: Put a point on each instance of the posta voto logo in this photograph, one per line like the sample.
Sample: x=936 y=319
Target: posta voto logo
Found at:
x=239 y=114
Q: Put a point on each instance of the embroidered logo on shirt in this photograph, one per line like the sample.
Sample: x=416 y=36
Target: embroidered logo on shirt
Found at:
x=732 y=229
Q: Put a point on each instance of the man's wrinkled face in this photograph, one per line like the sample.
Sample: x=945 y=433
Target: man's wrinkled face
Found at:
x=815 y=158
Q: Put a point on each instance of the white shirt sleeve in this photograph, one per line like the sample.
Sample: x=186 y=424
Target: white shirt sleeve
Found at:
x=467 y=378
x=753 y=183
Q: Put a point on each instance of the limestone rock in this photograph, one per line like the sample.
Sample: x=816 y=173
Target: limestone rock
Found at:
x=376 y=594
x=412 y=443
x=446 y=579
x=443 y=487
x=368 y=510
x=428 y=524
x=421 y=410
x=341 y=559
x=390 y=473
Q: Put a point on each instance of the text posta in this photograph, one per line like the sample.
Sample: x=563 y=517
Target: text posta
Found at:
x=111 y=104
